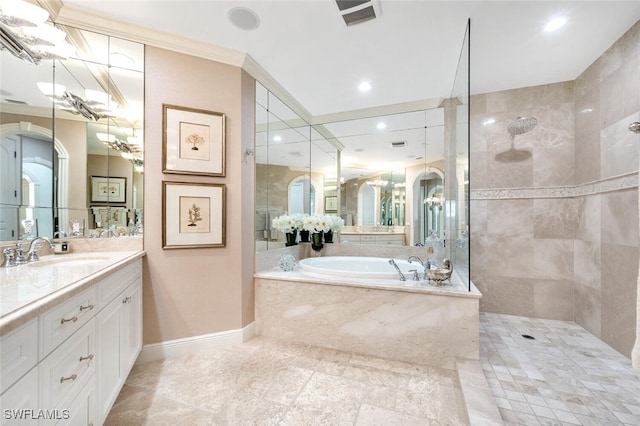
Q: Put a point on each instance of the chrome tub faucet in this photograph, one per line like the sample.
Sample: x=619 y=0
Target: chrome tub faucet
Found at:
x=395 y=265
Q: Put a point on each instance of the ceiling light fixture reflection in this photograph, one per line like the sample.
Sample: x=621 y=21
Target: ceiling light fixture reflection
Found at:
x=555 y=24
x=488 y=121
x=26 y=35
x=381 y=125
x=364 y=86
x=277 y=138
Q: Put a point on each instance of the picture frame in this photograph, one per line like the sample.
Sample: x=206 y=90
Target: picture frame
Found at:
x=193 y=215
x=330 y=203
x=193 y=141
x=106 y=189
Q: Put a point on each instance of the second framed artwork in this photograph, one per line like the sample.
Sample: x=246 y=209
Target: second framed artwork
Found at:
x=193 y=141
x=193 y=215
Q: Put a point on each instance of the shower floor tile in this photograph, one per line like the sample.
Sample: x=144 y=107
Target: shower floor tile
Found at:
x=571 y=376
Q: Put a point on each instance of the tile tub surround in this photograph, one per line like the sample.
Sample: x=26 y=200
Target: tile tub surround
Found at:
x=28 y=290
x=421 y=324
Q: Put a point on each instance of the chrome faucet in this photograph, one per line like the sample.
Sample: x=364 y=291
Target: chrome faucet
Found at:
x=426 y=265
x=395 y=265
x=32 y=253
x=110 y=231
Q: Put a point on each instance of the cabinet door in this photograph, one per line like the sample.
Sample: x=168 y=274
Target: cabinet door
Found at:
x=110 y=379
x=20 y=400
x=131 y=337
x=81 y=411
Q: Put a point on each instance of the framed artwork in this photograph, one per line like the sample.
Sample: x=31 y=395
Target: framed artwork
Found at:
x=193 y=215
x=193 y=141
x=331 y=204
x=106 y=189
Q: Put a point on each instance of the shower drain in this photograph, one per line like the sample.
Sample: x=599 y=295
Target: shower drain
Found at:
x=526 y=336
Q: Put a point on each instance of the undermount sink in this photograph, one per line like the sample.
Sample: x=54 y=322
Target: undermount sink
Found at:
x=67 y=260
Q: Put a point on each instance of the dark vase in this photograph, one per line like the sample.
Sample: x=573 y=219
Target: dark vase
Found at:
x=328 y=237
x=304 y=236
x=291 y=238
x=316 y=241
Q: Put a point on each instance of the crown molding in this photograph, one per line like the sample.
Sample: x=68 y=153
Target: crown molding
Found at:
x=86 y=20
x=377 y=111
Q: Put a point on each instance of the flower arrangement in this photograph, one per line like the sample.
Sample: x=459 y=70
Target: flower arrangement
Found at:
x=285 y=223
x=315 y=223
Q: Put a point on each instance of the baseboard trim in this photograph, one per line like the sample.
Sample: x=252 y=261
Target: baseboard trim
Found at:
x=178 y=347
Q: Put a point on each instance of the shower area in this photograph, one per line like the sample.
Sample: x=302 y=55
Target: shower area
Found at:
x=554 y=200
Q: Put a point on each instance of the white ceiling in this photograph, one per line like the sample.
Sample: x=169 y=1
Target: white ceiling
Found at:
x=409 y=53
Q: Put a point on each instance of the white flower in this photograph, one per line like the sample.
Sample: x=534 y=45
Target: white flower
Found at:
x=317 y=223
x=336 y=222
x=284 y=223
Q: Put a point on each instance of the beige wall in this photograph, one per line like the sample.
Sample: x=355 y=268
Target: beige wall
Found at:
x=191 y=292
x=556 y=236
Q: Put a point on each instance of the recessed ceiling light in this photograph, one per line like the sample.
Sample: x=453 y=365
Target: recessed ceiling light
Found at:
x=365 y=86
x=555 y=24
x=489 y=121
x=277 y=138
x=244 y=18
x=381 y=125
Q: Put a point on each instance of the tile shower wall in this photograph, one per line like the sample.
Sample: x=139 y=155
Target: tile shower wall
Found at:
x=522 y=241
x=556 y=235
x=607 y=98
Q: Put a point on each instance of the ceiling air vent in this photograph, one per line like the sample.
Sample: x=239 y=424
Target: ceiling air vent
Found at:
x=398 y=144
x=358 y=11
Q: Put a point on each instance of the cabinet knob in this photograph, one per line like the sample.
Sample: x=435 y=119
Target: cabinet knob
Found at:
x=86 y=358
x=72 y=319
x=71 y=377
x=88 y=307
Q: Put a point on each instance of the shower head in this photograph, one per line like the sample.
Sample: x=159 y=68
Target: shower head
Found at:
x=521 y=125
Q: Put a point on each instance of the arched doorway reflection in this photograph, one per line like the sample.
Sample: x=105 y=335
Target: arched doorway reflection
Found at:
x=366 y=205
x=428 y=210
x=302 y=196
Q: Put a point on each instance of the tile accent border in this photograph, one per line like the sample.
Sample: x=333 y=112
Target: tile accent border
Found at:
x=178 y=347
x=627 y=181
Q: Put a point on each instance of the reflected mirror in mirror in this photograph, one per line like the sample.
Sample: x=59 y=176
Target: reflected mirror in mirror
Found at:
x=95 y=98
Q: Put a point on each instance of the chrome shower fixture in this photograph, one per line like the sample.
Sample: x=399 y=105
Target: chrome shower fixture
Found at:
x=521 y=125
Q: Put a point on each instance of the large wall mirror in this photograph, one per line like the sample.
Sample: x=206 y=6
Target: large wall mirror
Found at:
x=396 y=179
x=296 y=168
x=71 y=141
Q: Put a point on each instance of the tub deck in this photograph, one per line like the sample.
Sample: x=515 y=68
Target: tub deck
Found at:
x=405 y=321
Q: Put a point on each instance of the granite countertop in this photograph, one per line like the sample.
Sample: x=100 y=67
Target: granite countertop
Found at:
x=30 y=289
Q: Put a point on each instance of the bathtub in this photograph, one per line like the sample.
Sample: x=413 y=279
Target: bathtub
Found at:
x=359 y=305
x=358 y=267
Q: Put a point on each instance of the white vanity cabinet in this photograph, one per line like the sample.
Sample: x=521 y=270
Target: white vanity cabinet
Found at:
x=119 y=331
x=67 y=364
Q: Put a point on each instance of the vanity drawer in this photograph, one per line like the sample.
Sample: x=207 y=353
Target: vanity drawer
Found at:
x=115 y=284
x=367 y=239
x=57 y=324
x=18 y=353
x=67 y=369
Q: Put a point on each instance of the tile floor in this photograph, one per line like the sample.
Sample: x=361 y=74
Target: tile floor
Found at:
x=566 y=376
x=264 y=382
